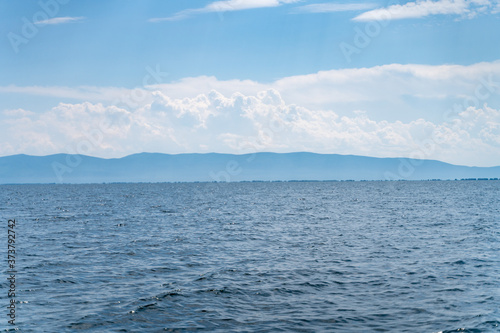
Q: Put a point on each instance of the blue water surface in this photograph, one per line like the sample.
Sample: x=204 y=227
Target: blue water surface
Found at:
x=255 y=257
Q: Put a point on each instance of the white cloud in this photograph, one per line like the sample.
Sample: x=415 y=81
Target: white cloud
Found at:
x=241 y=123
x=333 y=7
x=225 y=6
x=379 y=90
x=425 y=8
x=60 y=20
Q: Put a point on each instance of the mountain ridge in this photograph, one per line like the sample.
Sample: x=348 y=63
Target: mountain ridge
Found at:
x=206 y=167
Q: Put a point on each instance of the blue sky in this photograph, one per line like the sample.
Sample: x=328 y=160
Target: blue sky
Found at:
x=374 y=78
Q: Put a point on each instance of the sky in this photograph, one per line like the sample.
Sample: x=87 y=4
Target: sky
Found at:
x=417 y=79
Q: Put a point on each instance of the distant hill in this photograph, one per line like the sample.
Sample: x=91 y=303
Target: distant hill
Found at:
x=151 y=167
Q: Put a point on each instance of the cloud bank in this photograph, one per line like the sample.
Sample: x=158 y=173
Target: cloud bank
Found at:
x=242 y=124
x=446 y=112
x=424 y=91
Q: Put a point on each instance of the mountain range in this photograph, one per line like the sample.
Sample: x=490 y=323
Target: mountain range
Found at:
x=156 y=167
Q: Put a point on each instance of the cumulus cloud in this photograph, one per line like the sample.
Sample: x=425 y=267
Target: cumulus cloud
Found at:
x=389 y=110
x=414 y=90
x=418 y=9
x=225 y=6
x=241 y=123
x=380 y=90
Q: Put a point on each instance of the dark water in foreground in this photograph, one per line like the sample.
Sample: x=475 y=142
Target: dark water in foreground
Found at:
x=255 y=257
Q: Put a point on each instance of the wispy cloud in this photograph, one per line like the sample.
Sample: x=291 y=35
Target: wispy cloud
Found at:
x=60 y=20
x=224 y=6
x=333 y=7
x=418 y=9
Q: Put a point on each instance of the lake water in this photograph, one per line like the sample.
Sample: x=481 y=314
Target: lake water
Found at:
x=255 y=257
